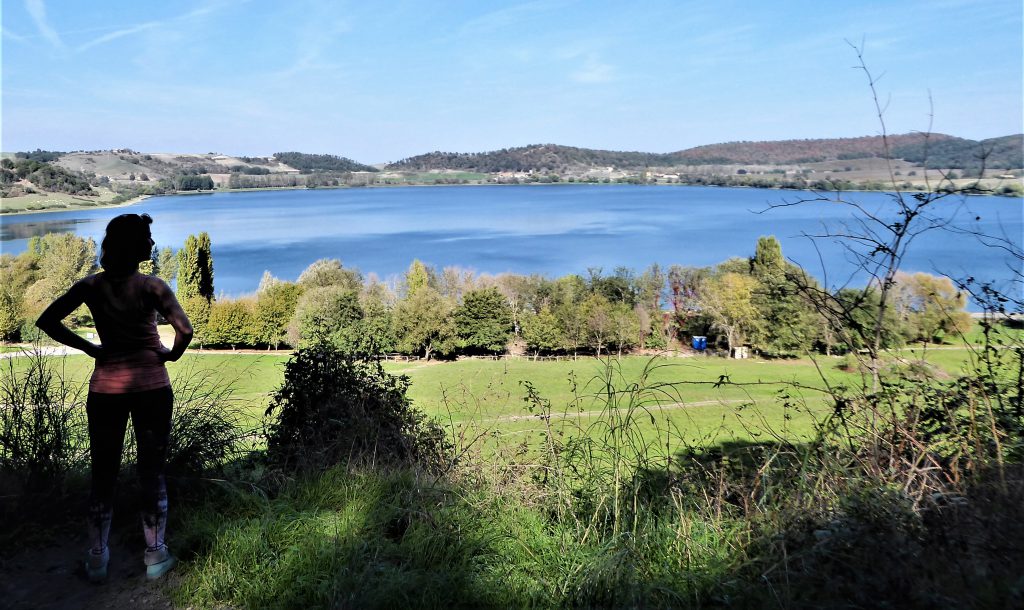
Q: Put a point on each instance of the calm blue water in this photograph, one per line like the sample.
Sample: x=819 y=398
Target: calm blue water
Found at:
x=551 y=230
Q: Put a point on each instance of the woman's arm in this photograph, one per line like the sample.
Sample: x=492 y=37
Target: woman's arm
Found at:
x=51 y=321
x=171 y=310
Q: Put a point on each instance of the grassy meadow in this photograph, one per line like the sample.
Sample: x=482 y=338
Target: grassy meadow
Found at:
x=632 y=482
x=695 y=400
x=45 y=201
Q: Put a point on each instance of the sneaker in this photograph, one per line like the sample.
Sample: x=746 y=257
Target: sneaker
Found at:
x=96 y=565
x=158 y=562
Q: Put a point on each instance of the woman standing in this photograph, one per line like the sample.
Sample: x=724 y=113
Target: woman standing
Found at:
x=129 y=380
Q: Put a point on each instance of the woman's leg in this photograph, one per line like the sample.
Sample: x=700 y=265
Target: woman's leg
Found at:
x=108 y=418
x=151 y=418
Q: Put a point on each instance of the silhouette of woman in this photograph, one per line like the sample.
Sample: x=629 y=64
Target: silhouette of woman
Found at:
x=129 y=380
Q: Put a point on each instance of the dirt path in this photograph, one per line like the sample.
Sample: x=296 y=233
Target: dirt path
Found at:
x=52 y=578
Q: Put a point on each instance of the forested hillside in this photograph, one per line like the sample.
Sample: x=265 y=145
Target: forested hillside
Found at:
x=29 y=178
x=1006 y=152
x=306 y=162
x=941 y=151
x=537 y=157
x=42 y=175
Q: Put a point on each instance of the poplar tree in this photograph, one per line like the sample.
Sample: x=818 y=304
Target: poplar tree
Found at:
x=195 y=281
x=195 y=268
x=188 y=269
x=167 y=265
x=205 y=267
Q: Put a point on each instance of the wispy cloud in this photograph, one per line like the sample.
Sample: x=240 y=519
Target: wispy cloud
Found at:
x=507 y=17
x=593 y=71
x=9 y=35
x=37 y=10
x=312 y=43
x=150 y=25
x=724 y=36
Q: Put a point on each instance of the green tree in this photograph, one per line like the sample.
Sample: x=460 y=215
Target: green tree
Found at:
x=167 y=264
x=195 y=282
x=542 y=332
x=275 y=307
x=330 y=272
x=205 y=261
x=10 y=311
x=598 y=314
x=417 y=278
x=327 y=315
x=197 y=308
x=789 y=324
x=377 y=335
x=61 y=260
x=625 y=327
x=854 y=315
x=484 y=321
x=231 y=322
x=423 y=323
x=378 y=332
x=195 y=268
x=17 y=273
x=768 y=259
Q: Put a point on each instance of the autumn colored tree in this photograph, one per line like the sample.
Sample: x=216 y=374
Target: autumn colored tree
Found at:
x=929 y=307
x=728 y=299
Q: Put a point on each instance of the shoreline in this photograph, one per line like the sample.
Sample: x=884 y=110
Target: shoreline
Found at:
x=141 y=198
x=98 y=206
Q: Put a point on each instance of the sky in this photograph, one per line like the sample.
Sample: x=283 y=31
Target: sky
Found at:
x=380 y=81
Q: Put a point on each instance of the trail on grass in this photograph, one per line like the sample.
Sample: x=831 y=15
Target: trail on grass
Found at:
x=598 y=412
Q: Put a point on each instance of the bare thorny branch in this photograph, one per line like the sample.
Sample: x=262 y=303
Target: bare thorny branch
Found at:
x=876 y=241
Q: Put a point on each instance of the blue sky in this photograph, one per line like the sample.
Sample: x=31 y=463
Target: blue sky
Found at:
x=379 y=81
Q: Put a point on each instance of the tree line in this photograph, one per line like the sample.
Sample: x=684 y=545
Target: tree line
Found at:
x=762 y=302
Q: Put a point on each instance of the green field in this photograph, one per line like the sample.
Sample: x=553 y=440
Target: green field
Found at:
x=699 y=400
x=55 y=201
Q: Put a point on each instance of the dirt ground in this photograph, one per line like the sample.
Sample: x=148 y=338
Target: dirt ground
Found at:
x=53 y=577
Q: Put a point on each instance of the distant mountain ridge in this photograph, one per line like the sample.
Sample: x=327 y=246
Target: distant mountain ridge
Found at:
x=940 y=150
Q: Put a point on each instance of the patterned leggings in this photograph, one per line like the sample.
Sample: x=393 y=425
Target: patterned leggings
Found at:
x=150 y=412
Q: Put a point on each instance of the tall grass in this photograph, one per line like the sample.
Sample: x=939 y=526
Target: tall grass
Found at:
x=903 y=497
x=44 y=443
x=42 y=425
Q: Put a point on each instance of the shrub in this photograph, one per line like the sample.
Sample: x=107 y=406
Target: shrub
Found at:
x=42 y=425
x=335 y=408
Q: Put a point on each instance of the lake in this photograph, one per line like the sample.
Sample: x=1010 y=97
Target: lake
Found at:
x=548 y=229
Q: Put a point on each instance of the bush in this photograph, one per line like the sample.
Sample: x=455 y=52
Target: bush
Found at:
x=42 y=425
x=335 y=408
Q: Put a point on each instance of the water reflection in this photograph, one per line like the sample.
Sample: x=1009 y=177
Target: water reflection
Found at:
x=38 y=228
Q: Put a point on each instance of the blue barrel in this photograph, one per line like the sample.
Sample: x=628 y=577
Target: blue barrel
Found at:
x=700 y=343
